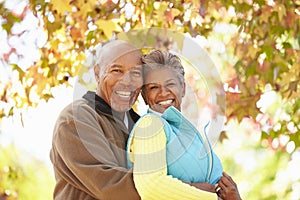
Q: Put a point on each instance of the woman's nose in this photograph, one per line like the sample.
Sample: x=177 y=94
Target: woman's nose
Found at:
x=164 y=91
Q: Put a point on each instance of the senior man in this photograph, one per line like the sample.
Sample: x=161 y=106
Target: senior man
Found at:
x=88 y=146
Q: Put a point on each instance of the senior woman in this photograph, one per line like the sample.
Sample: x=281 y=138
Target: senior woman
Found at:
x=171 y=159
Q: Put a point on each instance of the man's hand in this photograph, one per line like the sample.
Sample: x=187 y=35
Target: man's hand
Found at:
x=227 y=188
x=204 y=186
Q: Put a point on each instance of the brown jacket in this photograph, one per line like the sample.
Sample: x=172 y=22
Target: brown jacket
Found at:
x=88 y=152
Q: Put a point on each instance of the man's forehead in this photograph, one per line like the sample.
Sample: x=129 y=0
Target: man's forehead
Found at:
x=122 y=65
x=131 y=60
x=116 y=50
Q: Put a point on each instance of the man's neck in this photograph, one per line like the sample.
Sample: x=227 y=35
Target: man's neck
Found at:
x=120 y=115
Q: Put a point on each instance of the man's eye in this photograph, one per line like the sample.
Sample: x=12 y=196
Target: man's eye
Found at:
x=136 y=73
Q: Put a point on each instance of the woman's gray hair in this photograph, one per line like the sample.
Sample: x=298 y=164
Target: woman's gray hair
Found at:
x=160 y=59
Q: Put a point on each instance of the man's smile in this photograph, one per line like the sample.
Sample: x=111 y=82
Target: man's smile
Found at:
x=124 y=94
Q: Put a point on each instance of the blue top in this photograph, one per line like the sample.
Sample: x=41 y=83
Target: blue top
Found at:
x=189 y=155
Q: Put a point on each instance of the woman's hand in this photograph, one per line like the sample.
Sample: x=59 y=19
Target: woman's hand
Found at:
x=227 y=188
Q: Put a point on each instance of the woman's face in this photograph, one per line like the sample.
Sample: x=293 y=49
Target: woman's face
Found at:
x=163 y=89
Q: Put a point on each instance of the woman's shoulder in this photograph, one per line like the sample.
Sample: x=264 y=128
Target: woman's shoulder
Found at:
x=147 y=122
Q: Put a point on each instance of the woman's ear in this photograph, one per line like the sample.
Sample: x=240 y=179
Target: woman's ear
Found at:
x=183 y=89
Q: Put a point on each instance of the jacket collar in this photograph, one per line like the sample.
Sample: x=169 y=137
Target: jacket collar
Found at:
x=102 y=107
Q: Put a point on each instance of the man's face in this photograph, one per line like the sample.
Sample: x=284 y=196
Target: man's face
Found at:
x=163 y=89
x=120 y=80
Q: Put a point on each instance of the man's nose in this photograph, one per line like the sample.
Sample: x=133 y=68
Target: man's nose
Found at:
x=126 y=78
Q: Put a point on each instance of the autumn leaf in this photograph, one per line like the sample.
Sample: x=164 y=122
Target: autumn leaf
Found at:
x=76 y=33
x=19 y=70
x=223 y=136
x=263 y=54
x=108 y=27
x=281 y=11
x=293 y=89
x=265 y=14
x=85 y=7
x=61 y=6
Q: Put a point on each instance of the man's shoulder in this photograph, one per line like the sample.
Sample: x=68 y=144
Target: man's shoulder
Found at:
x=77 y=106
x=78 y=103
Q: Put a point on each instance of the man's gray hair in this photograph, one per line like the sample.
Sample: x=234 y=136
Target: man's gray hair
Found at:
x=104 y=50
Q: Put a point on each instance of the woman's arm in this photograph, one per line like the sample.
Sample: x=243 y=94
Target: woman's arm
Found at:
x=148 y=147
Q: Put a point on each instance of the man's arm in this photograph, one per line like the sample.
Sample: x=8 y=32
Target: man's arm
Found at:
x=84 y=157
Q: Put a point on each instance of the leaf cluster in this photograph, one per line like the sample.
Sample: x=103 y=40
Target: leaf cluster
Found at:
x=264 y=48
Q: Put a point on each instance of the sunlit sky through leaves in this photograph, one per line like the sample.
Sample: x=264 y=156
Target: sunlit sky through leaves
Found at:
x=31 y=130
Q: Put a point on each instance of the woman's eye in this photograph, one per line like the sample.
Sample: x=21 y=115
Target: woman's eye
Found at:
x=171 y=84
x=116 y=70
x=153 y=87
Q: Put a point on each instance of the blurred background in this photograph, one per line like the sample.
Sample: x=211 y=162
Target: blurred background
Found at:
x=45 y=50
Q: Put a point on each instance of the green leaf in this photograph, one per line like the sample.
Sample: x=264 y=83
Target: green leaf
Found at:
x=9 y=20
x=260 y=2
x=269 y=51
x=264 y=135
x=251 y=70
x=296 y=138
x=287 y=45
x=277 y=30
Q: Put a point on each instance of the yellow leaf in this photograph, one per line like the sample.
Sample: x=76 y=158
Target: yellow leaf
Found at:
x=85 y=7
x=62 y=6
x=252 y=51
x=108 y=27
x=120 y=20
x=175 y=12
x=116 y=25
x=81 y=56
x=280 y=9
x=161 y=8
x=266 y=13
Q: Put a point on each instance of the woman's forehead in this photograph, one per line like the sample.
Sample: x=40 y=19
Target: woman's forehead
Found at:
x=160 y=74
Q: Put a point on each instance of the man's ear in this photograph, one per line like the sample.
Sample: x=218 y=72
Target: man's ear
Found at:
x=143 y=93
x=96 y=73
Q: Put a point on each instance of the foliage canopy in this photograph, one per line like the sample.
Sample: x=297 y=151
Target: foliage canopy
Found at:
x=262 y=54
x=257 y=54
